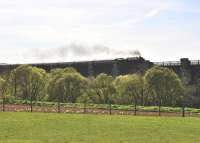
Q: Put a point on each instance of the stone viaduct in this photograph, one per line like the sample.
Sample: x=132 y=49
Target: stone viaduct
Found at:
x=189 y=71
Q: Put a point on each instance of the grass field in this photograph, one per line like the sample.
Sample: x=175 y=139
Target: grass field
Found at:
x=64 y=128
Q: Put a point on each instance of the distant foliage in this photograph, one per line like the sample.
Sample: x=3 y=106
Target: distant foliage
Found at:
x=158 y=86
x=163 y=86
x=29 y=83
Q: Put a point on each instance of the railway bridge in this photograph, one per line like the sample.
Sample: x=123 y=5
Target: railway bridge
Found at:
x=189 y=71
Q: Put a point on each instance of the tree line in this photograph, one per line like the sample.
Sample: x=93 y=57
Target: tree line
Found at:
x=158 y=86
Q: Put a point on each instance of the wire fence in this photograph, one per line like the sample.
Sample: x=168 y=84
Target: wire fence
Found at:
x=89 y=108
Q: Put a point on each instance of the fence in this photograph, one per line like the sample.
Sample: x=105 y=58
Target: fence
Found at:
x=168 y=63
x=176 y=63
x=110 y=109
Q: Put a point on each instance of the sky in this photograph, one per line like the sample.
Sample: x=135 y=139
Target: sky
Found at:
x=73 y=30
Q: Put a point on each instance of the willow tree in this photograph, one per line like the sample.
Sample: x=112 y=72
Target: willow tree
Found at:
x=131 y=86
x=102 y=89
x=65 y=85
x=71 y=86
x=38 y=84
x=20 y=81
x=163 y=86
x=55 y=76
x=3 y=91
x=29 y=83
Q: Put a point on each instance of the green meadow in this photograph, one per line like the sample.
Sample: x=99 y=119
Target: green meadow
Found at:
x=19 y=127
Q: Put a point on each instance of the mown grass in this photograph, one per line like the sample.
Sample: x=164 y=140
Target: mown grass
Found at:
x=68 y=128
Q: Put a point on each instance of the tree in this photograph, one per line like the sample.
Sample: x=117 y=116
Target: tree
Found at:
x=38 y=84
x=54 y=76
x=130 y=85
x=66 y=85
x=29 y=83
x=71 y=85
x=163 y=86
x=3 y=90
x=21 y=77
x=102 y=88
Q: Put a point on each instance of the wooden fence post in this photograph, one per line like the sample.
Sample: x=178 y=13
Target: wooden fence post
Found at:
x=3 y=102
x=135 y=110
x=110 y=108
x=159 y=110
x=58 y=107
x=84 y=107
x=31 y=105
x=183 y=111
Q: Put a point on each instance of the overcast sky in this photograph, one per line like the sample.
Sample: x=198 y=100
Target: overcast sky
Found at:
x=71 y=30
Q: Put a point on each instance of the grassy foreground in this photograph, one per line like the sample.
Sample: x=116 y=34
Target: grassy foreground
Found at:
x=64 y=128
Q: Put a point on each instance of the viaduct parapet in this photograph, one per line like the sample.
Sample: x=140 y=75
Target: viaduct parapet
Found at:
x=188 y=71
